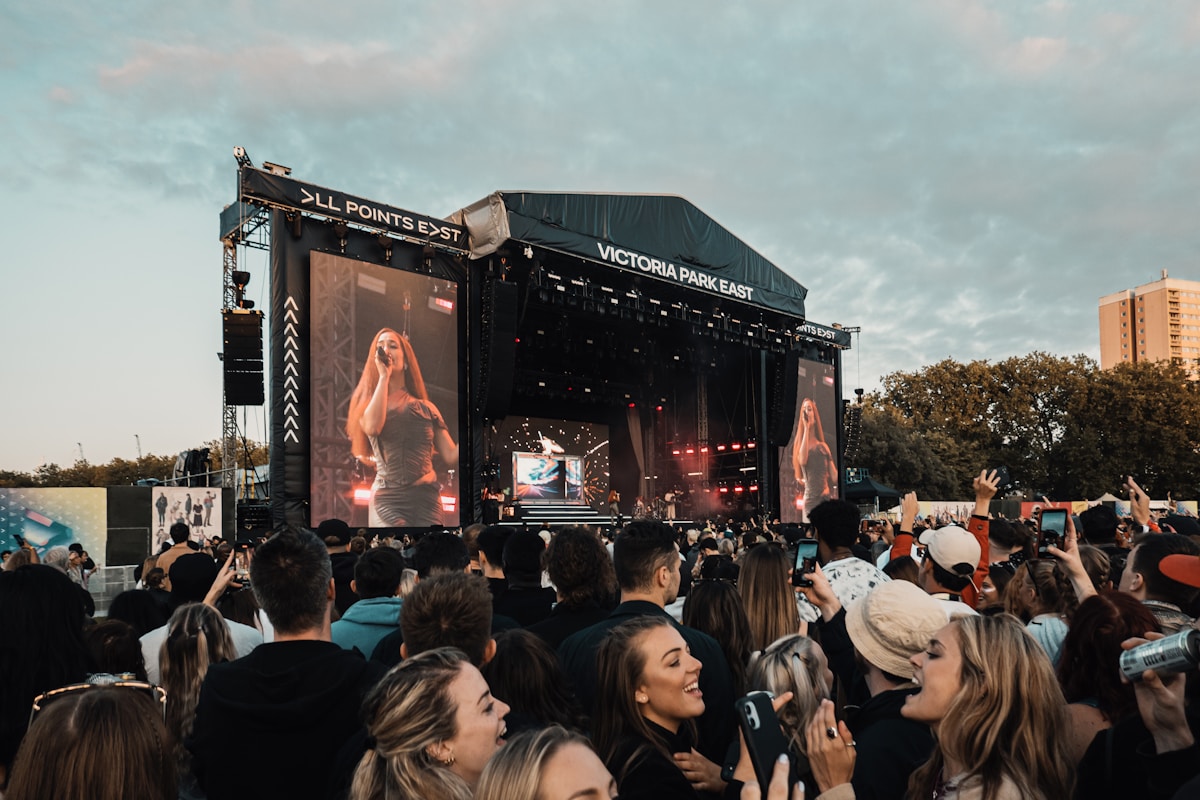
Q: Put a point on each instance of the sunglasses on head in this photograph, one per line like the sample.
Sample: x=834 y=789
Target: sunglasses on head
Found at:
x=101 y=681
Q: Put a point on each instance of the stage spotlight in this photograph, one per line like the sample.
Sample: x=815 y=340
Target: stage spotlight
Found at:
x=385 y=242
x=240 y=278
x=277 y=169
x=243 y=160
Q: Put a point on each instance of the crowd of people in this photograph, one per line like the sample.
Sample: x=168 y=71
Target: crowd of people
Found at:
x=910 y=659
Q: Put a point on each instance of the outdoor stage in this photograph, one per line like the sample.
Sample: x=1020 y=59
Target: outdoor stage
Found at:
x=569 y=344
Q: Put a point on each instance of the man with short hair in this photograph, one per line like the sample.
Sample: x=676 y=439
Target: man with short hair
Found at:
x=1144 y=579
x=180 y=547
x=525 y=600
x=836 y=526
x=951 y=556
x=437 y=553
x=449 y=609
x=297 y=699
x=377 y=575
x=646 y=561
x=337 y=535
x=491 y=557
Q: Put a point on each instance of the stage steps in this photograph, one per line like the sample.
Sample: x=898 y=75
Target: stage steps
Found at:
x=558 y=514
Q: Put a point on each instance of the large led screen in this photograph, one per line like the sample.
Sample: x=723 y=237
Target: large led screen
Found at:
x=47 y=518
x=808 y=469
x=548 y=460
x=384 y=395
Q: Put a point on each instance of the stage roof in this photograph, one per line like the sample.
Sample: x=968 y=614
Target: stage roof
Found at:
x=660 y=236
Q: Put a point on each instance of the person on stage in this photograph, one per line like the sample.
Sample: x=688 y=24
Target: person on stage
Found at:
x=614 y=506
x=395 y=428
x=815 y=467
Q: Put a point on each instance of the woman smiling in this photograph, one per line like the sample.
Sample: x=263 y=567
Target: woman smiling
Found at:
x=650 y=682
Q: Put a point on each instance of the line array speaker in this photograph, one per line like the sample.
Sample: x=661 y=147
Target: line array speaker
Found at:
x=499 y=347
x=243 y=357
x=783 y=400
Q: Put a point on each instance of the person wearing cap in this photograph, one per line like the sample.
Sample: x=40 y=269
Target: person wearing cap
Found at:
x=337 y=536
x=951 y=556
x=194 y=577
x=1145 y=579
x=875 y=638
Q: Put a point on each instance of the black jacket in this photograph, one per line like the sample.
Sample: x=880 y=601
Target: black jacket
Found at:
x=643 y=773
x=889 y=746
x=577 y=654
x=343 y=573
x=564 y=621
x=271 y=724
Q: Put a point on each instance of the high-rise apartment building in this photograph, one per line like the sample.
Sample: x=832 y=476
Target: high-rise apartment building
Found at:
x=1153 y=322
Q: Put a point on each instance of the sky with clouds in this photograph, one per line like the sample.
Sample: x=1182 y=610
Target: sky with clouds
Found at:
x=959 y=178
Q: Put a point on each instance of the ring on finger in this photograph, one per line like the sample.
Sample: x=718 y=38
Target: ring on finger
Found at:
x=831 y=732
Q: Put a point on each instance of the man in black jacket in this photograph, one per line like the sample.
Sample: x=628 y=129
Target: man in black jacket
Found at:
x=646 y=560
x=291 y=704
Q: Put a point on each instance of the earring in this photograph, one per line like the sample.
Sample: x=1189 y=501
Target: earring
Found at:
x=641 y=698
x=449 y=762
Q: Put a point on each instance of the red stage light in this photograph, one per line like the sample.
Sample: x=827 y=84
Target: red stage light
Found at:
x=674 y=452
x=736 y=446
x=750 y=445
x=703 y=449
x=449 y=503
x=517 y=340
x=739 y=489
x=690 y=451
x=754 y=488
x=720 y=447
x=658 y=408
x=633 y=405
x=362 y=495
x=723 y=490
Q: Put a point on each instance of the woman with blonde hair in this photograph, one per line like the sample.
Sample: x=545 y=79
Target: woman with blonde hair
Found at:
x=546 y=764
x=395 y=428
x=767 y=594
x=794 y=664
x=989 y=694
x=432 y=725
x=197 y=637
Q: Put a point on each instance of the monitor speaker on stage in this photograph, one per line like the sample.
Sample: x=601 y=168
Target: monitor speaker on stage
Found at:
x=242 y=357
x=783 y=403
x=500 y=319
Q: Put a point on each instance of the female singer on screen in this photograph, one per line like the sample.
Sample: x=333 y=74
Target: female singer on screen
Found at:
x=394 y=428
x=816 y=471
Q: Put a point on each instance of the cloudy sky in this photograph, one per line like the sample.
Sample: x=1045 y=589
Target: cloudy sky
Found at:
x=958 y=178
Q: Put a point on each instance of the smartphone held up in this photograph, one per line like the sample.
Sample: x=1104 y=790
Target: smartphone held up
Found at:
x=1052 y=530
x=806 y=562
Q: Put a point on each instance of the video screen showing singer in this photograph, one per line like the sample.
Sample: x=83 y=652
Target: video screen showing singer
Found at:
x=395 y=429
x=812 y=460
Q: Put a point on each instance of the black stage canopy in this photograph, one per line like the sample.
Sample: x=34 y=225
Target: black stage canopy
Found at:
x=659 y=236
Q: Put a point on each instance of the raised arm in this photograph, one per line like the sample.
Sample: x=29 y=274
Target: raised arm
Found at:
x=375 y=412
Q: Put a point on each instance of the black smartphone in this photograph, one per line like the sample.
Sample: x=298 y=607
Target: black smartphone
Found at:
x=382 y=355
x=806 y=562
x=18 y=539
x=1052 y=529
x=1003 y=479
x=764 y=737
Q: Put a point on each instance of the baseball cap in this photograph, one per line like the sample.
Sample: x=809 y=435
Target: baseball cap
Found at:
x=192 y=576
x=1181 y=567
x=953 y=549
x=335 y=529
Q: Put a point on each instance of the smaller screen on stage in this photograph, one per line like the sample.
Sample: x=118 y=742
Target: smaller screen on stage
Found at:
x=551 y=478
x=383 y=395
x=808 y=470
x=552 y=461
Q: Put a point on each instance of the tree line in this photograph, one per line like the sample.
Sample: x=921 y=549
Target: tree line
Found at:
x=1064 y=427
x=123 y=471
